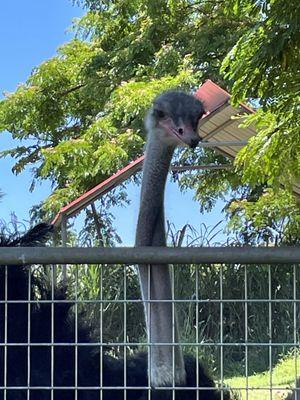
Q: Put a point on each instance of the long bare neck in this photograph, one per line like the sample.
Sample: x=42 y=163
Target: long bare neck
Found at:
x=150 y=228
x=165 y=360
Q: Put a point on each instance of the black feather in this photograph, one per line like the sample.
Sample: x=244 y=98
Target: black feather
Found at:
x=14 y=286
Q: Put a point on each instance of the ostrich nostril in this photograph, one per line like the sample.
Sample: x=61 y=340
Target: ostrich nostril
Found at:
x=180 y=131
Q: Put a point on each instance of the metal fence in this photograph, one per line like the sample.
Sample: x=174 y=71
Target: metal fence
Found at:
x=71 y=324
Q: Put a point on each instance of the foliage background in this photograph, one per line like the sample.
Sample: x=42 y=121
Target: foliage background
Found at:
x=79 y=115
x=78 y=118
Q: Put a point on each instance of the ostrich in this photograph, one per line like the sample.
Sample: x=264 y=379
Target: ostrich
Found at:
x=46 y=367
x=172 y=121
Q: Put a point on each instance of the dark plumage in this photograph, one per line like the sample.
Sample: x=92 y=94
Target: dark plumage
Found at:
x=17 y=289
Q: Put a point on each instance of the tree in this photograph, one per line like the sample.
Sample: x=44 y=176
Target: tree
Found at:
x=82 y=110
x=264 y=66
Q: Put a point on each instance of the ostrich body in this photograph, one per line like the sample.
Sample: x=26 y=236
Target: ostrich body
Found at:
x=16 y=283
x=171 y=122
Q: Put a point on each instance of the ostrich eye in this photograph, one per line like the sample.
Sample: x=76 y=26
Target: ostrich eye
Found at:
x=160 y=113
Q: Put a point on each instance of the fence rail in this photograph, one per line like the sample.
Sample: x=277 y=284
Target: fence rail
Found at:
x=145 y=255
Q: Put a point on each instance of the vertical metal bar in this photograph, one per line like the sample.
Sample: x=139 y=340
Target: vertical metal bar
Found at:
x=295 y=329
x=28 y=331
x=5 y=330
x=52 y=330
x=101 y=332
x=270 y=329
x=221 y=334
x=125 y=331
x=76 y=331
x=148 y=324
x=246 y=331
x=173 y=331
x=197 y=328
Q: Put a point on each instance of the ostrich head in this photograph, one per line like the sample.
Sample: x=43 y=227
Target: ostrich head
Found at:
x=173 y=119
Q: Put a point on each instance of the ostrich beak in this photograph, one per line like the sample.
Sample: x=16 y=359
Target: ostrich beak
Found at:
x=183 y=132
x=194 y=143
x=186 y=134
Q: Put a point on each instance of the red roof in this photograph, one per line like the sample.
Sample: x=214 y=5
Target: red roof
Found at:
x=212 y=96
x=93 y=194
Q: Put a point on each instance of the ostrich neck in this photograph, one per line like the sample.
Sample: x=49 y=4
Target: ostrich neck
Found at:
x=150 y=228
x=165 y=360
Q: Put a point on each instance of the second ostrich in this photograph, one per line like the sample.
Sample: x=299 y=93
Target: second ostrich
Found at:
x=46 y=333
x=172 y=121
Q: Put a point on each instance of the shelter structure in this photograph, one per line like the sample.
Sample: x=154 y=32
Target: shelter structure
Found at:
x=219 y=129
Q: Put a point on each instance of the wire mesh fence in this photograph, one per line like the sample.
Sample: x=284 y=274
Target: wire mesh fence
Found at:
x=77 y=331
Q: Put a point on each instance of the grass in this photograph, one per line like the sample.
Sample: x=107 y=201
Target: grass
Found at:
x=282 y=379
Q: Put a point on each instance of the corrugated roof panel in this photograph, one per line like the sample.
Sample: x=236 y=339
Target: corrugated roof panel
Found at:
x=249 y=130
x=222 y=127
x=224 y=116
x=207 y=128
x=230 y=151
x=229 y=136
x=236 y=133
x=227 y=112
x=218 y=128
x=221 y=117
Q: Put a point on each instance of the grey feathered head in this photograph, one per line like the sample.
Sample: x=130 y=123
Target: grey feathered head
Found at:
x=175 y=115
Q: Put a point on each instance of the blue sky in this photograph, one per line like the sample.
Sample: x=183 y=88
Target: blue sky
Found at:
x=30 y=32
